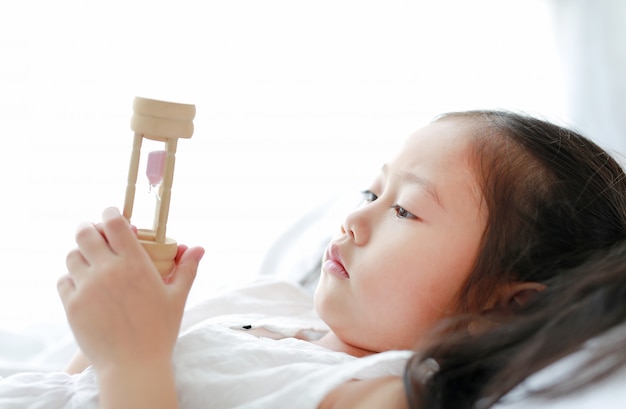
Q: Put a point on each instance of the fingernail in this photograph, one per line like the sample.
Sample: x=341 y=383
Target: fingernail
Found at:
x=200 y=255
x=110 y=213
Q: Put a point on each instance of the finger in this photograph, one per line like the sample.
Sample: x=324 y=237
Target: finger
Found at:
x=75 y=260
x=65 y=287
x=119 y=233
x=179 y=253
x=90 y=242
x=76 y=265
x=181 y=250
x=100 y=228
x=185 y=272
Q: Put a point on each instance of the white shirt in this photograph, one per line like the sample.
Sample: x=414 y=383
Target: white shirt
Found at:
x=219 y=363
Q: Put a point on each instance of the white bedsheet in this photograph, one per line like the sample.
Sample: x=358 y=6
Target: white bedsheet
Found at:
x=220 y=365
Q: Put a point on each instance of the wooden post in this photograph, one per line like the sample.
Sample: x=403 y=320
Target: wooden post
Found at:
x=163 y=208
x=131 y=182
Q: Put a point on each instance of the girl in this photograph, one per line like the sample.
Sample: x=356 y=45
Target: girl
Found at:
x=579 y=319
x=474 y=216
x=580 y=257
x=554 y=200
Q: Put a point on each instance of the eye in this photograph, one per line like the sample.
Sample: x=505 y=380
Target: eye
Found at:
x=369 y=196
x=402 y=213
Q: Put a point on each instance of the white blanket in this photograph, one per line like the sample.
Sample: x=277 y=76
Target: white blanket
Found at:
x=219 y=364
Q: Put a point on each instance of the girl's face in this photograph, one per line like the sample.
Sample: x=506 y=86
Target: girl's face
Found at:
x=398 y=262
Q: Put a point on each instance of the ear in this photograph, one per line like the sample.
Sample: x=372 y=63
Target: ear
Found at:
x=508 y=299
x=514 y=295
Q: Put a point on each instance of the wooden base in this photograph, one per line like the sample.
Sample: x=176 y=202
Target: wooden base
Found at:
x=162 y=254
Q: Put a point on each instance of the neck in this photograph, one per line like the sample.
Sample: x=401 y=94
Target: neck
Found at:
x=331 y=341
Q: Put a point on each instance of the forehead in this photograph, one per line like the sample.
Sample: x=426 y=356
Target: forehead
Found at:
x=441 y=153
x=443 y=144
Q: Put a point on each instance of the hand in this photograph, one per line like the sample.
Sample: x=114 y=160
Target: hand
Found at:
x=118 y=306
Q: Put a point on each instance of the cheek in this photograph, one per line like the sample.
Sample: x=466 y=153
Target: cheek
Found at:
x=399 y=314
x=450 y=255
x=423 y=282
x=331 y=300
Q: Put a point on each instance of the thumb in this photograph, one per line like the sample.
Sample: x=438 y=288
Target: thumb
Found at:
x=185 y=272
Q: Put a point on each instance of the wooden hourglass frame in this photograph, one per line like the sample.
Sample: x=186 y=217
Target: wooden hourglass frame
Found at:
x=163 y=122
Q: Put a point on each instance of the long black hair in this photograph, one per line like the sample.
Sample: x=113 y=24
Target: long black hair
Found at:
x=555 y=201
x=475 y=371
x=552 y=195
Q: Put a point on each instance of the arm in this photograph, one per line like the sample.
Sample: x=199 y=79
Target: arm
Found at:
x=387 y=392
x=78 y=363
x=124 y=316
x=149 y=385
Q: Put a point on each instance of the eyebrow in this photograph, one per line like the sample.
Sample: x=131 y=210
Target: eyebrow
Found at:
x=426 y=185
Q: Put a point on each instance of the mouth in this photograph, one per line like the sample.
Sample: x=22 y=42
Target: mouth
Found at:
x=333 y=264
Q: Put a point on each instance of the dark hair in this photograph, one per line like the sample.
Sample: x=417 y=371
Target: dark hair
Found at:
x=555 y=200
x=552 y=195
x=475 y=371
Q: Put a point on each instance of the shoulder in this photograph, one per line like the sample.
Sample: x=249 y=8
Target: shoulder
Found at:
x=387 y=392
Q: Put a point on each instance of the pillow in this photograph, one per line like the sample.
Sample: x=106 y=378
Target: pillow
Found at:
x=609 y=393
x=297 y=254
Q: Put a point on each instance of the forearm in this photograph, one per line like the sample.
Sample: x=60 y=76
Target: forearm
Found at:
x=148 y=386
x=386 y=392
x=77 y=364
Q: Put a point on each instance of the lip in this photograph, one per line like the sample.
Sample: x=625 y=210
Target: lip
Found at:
x=333 y=263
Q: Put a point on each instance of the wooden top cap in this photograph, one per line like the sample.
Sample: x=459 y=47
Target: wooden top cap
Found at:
x=161 y=120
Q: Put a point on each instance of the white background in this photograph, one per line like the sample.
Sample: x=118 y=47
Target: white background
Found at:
x=296 y=101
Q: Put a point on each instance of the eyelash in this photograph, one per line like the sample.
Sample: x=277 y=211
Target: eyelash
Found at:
x=401 y=212
x=369 y=196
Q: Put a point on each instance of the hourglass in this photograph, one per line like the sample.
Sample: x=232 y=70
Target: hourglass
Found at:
x=164 y=122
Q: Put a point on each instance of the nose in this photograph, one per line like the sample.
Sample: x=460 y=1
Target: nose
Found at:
x=357 y=225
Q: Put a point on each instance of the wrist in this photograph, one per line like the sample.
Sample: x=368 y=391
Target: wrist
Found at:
x=146 y=385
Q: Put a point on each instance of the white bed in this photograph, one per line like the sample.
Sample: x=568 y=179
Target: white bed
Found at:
x=294 y=257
